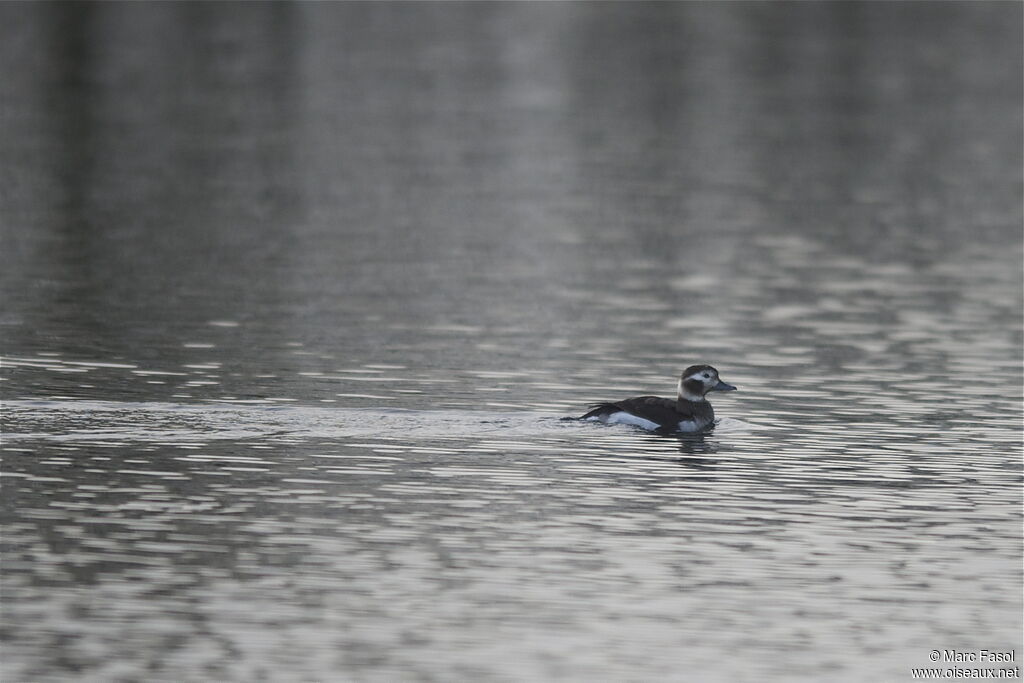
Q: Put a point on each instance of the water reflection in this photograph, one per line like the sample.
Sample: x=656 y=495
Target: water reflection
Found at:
x=296 y=294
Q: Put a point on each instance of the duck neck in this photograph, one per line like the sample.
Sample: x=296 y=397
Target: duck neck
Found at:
x=684 y=396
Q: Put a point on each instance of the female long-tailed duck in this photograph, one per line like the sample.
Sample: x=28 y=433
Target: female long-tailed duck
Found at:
x=690 y=412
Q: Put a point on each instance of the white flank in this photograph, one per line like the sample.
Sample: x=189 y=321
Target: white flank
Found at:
x=622 y=417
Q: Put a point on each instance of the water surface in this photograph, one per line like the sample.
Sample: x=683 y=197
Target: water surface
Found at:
x=295 y=296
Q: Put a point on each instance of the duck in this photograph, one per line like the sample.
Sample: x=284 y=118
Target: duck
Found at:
x=689 y=412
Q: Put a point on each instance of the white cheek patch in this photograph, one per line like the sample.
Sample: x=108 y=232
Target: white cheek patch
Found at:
x=622 y=417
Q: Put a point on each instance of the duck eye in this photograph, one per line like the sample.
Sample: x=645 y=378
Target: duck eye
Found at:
x=706 y=376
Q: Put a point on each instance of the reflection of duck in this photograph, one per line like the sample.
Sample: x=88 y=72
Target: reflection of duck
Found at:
x=690 y=412
x=696 y=444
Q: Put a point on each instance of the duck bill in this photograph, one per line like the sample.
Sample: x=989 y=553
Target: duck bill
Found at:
x=722 y=386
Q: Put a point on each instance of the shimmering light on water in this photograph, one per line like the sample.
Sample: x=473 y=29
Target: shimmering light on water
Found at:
x=296 y=296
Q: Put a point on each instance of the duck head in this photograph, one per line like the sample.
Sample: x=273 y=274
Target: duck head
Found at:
x=698 y=380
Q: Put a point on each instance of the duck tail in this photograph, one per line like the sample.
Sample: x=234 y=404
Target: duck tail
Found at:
x=600 y=410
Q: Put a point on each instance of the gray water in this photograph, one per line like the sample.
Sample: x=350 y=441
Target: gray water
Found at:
x=294 y=297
